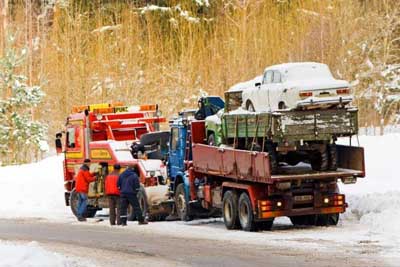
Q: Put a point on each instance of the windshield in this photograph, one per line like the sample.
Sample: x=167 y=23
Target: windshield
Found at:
x=306 y=72
x=151 y=164
x=154 y=165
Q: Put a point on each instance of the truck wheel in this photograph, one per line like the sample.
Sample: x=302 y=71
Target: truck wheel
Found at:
x=211 y=139
x=142 y=198
x=90 y=211
x=265 y=225
x=246 y=216
x=131 y=214
x=292 y=158
x=73 y=200
x=303 y=220
x=327 y=219
x=181 y=203
x=332 y=157
x=230 y=210
x=320 y=159
x=273 y=157
x=253 y=146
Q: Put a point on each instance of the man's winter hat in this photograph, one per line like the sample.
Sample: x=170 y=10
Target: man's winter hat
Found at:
x=117 y=167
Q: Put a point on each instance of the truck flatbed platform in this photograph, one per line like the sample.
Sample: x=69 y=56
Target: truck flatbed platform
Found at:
x=304 y=172
x=252 y=166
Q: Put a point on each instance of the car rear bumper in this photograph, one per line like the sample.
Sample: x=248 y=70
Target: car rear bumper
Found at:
x=315 y=101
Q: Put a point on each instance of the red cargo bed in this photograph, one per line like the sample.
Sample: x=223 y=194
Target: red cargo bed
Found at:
x=254 y=166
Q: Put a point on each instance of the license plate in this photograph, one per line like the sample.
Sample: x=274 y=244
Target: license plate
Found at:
x=324 y=94
x=303 y=198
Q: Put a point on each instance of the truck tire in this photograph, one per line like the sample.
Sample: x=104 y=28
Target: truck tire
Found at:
x=73 y=201
x=303 y=220
x=246 y=216
x=131 y=214
x=327 y=219
x=320 y=159
x=230 y=210
x=332 y=157
x=181 y=205
x=265 y=225
x=273 y=157
x=90 y=211
x=211 y=139
x=142 y=198
x=292 y=158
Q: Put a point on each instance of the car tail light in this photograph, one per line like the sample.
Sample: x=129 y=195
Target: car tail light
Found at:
x=343 y=91
x=305 y=94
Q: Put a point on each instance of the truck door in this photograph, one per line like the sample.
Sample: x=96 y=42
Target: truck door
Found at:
x=176 y=151
x=74 y=141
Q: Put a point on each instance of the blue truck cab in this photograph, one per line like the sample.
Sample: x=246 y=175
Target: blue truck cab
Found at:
x=180 y=154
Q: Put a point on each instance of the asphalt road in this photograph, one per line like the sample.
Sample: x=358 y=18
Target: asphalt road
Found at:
x=83 y=239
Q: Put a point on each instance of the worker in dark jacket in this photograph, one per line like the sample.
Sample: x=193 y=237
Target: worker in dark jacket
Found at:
x=83 y=178
x=129 y=186
x=113 y=194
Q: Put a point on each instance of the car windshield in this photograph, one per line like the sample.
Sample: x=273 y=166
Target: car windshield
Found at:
x=151 y=165
x=155 y=166
x=306 y=72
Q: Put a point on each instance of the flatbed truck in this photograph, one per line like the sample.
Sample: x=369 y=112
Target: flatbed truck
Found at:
x=209 y=180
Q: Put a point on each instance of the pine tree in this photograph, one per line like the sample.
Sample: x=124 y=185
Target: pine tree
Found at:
x=20 y=134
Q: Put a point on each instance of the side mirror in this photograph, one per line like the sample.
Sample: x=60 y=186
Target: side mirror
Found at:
x=58 y=143
x=258 y=84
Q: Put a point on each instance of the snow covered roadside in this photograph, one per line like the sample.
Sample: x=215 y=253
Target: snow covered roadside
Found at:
x=32 y=254
x=33 y=190
x=374 y=201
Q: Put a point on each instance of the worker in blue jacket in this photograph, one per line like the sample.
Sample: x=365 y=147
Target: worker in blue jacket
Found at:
x=129 y=185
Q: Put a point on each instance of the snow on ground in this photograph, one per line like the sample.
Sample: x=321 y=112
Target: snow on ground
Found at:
x=33 y=255
x=370 y=225
x=33 y=190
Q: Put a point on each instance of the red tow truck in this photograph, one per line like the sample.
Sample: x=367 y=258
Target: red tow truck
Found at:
x=108 y=134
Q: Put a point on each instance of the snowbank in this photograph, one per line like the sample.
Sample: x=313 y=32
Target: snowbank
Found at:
x=375 y=200
x=32 y=254
x=33 y=190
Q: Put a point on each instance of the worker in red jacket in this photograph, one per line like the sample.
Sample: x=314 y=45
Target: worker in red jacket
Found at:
x=113 y=193
x=83 y=178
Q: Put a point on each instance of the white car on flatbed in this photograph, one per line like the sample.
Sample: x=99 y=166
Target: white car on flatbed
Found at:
x=303 y=85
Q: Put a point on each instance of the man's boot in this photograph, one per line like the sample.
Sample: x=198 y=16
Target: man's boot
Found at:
x=143 y=222
x=123 y=221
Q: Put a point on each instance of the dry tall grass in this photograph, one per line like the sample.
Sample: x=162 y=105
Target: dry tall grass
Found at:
x=162 y=56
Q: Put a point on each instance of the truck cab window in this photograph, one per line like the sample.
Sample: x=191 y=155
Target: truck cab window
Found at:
x=174 y=138
x=71 y=137
x=267 y=77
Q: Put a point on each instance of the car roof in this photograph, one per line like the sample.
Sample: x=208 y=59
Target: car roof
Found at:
x=287 y=66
